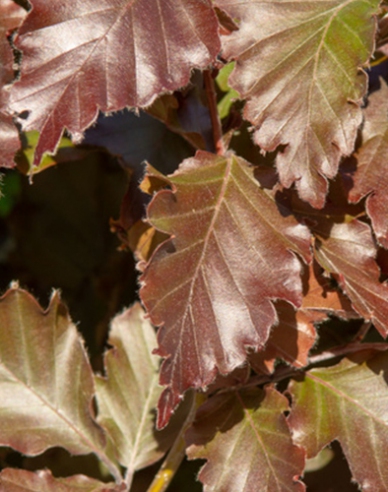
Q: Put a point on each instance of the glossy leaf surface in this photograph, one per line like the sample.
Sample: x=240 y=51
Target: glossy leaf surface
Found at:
x=247 y=444
x=79 y=57
x=298 y=63
x=127 y=397
x=348 y=251
x=46 y=381
x=347 y=402
x=230 y=254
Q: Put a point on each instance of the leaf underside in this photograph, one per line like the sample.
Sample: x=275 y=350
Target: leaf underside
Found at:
x=230 y=254
x=298 y=64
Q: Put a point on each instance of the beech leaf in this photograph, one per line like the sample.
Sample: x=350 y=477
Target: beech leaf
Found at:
x=371 y=175
x=46 y=381
x=11 y=16
x=294 y=336
x=298 y=64
x=347 y=250
x=247 y=444
x=127 y=397
x=349 y=403
x=12 y=480
x=79 y=57
x=230 y=254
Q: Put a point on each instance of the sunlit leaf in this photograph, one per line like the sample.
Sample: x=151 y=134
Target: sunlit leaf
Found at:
x=79 y=57
x=210 y=287
x=127 y=397
x=247 y=444
x=46 y=381
x=349 y=403
x=371 y=175
x=347 y=250
x=298 y=64
x=12 y=480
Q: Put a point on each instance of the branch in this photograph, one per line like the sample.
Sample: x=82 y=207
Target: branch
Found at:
x=176 y=454
x=214 y=116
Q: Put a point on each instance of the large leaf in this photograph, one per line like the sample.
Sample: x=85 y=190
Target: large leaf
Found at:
x=46 y=381
x=298 y=65
x=210 y=287
x=79 y=57
x=11 y=16
x=347 y=402
x=25 y=481
x=347 y=250
x=371 y=175
x=127 y=398
x=245 y=439
x=294 y=336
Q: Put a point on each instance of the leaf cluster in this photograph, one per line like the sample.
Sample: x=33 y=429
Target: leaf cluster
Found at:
x=254 y=136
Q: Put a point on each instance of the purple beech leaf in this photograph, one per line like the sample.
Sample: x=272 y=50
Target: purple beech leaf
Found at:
x=298 y=65
x=46 y=382
x=79 y=57
x=210 y=286
x=12 y=480
x=247 y=444
x=11 y=16
x=294 y=336
x=128 y=396
x=349 y=403
x=347 y=250
x=371 y=175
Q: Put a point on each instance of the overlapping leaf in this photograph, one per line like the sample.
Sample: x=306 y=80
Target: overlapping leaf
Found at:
x=371 y=175
x=25 y=481
x=247 y=444
x=11 y=16
x=127 y=397
x=210 y=287
x=294 y=336
x=348 y=251
x=347 y=402
x=298 y=65
x=108 y=54
x=46 y=381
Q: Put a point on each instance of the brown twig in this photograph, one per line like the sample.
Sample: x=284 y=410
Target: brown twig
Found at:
x=214 y=116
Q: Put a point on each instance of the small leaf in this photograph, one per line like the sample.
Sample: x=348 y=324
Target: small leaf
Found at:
x=247 y=444
x=347 y=250
x=371 y=175
x=347 y=402
x=294 y=336
x=211 y=285
x=46 y=381
x=127 y=397
x=298 y=64
x=25 y=481
x=79 y=57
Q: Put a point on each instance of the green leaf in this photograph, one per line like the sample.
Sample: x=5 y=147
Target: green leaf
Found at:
x=349 y=403
x=298 y=64
x=247 y=444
